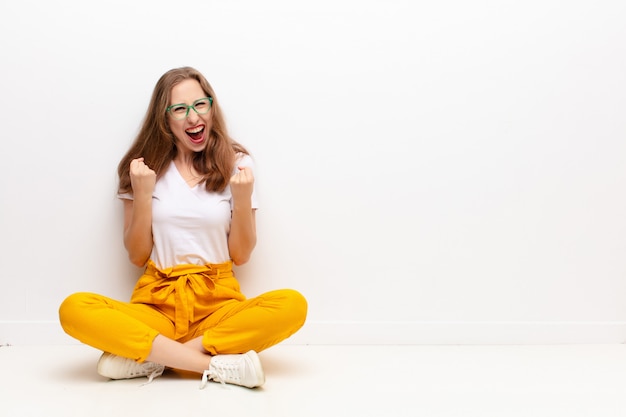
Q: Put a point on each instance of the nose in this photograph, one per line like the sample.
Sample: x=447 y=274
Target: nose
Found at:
x=192 y=116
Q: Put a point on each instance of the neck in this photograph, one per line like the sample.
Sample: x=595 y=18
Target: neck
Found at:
x=184 y=158
x=184 y=164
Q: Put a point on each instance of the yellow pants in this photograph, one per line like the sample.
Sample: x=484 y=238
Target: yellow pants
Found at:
x=182 y=303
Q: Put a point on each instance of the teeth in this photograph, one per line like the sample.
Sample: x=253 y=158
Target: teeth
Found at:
x=195 y=129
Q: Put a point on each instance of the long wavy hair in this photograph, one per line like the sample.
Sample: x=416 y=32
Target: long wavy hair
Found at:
x=156 y=143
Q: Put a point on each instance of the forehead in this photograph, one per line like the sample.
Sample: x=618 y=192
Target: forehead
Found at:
x=187 y=91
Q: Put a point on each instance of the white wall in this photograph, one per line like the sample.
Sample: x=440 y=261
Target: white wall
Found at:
x=429 y=171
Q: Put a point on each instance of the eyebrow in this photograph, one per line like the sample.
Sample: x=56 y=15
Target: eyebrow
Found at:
x=182 y=102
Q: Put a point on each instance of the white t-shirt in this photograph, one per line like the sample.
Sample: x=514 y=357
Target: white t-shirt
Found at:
x=189 y=224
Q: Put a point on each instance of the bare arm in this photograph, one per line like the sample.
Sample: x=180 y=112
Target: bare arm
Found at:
x=138 y=213
x=242 y=237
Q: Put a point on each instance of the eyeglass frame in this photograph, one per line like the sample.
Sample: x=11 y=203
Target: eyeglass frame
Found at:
x=192 y=106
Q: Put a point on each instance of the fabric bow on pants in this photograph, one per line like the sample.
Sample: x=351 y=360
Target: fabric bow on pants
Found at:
x=184 y=287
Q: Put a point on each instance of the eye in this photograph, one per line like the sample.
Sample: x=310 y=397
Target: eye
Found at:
x=178 y=109
x=202 y=104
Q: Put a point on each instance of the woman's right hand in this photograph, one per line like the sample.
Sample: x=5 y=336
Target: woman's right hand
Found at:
x=142 y=178
x=138 y=213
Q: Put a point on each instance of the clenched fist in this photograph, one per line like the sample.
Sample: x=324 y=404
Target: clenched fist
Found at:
x=142 y=178
x=241 y=186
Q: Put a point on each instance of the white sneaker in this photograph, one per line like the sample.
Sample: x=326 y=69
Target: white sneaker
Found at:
x=243 y=369
x=117 y=367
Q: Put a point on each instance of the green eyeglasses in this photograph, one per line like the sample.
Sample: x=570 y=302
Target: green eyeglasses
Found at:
x=181 y=111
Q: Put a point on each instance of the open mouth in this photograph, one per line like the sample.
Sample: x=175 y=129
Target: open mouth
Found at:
x=196 y=133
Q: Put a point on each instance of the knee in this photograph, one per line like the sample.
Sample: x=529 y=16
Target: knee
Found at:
x=72 y=308
x=297 y=305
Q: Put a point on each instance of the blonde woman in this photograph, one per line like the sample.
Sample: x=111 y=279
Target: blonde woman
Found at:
x=189 y=215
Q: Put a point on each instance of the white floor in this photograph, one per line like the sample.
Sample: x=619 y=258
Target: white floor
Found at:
x=432 y=381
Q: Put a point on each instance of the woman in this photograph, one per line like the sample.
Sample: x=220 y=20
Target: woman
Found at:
x=189 y=215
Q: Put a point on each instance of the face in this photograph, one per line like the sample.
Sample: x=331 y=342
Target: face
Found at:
x=192 y=132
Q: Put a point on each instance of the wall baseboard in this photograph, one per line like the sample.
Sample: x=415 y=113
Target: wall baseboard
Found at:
x=460 y=333
x=384 y=333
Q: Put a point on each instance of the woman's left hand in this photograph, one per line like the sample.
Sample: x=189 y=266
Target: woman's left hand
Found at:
x=241 y=185
x=242 y=236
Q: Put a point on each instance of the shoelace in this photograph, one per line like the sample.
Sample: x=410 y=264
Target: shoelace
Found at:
x=219 y=376
x=154 y=374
